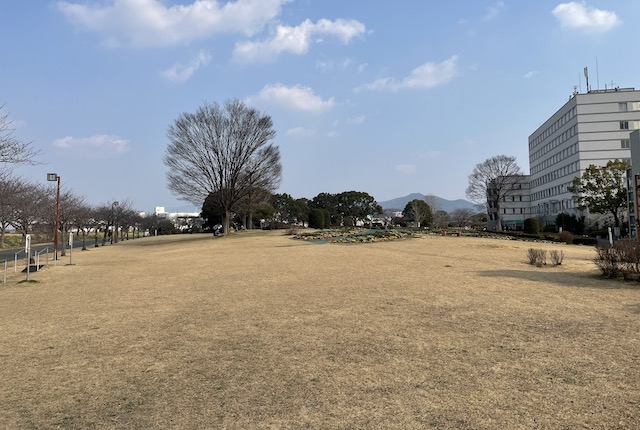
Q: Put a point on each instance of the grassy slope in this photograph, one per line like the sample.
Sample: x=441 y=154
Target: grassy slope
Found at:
x=261 y=331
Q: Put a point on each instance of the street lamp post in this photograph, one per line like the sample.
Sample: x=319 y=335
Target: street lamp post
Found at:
x=55 y=177
x=114 y=213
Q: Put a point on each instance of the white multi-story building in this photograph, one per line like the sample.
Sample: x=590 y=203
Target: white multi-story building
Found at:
x=591 y=128
x=633 y=183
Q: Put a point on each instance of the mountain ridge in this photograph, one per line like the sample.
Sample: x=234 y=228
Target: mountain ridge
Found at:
x=399 y=203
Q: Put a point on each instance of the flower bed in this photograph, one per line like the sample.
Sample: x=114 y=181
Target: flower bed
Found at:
x=353 y=236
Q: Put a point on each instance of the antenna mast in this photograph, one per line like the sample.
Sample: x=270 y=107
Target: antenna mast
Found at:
x=586 y=76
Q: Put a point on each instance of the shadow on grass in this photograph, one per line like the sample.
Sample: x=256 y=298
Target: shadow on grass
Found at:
x=634 y=308
x=567 y=279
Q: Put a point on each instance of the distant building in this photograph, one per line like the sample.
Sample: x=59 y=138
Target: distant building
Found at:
x=515 y=205
x=180 y=220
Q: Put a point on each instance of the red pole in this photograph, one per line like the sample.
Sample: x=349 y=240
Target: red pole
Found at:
x=55 y=234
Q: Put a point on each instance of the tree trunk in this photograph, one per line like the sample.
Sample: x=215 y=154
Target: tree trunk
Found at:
x=84 y=239
x=250 y=220
x=498 y=218
x=226 y=221
x=616 y=219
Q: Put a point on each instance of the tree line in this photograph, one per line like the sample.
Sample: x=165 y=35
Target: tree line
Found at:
x=28 y=207
x=349 y=208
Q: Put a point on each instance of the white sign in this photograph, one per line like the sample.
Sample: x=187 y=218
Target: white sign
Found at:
x=52 y=176
x=27 y=244
x=70 y=239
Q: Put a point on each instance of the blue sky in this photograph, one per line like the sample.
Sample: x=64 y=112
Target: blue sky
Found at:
x=385 y=97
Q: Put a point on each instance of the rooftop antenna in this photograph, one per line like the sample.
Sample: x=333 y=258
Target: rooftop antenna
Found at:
x=586 y=76
x=597 y=74
x=579 y=82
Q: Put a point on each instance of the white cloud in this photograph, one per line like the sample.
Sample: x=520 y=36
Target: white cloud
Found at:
x=531 y=74
x=296 y=40
x=577 y=15
x=427 y=76
x=329 y=65
x=300 y=132
x=179 y=73
x=296 y=98
x=152 y=23
x=494 y=11
x=406 y=169
x=97 y=146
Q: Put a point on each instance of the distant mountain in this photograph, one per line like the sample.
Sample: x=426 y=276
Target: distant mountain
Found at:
x=445 y=205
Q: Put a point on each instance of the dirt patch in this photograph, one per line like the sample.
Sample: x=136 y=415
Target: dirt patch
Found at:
x=261 y=331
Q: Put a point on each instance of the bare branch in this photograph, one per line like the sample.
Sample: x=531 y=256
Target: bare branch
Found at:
x=13 y=150
x=224 y=152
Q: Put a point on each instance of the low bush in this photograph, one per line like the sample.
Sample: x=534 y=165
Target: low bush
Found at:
x=532 y=226
x=549 y=228
x=565 y=237
x=557 y=257
x=622 y=260
x=537 y=257
x=584 y=240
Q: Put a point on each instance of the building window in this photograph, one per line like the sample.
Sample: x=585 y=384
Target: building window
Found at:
x=624 y=125
x=622 y=107
x=625 y=143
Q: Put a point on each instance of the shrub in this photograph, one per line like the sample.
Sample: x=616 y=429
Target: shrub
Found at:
x=622 y=260
x=607 y=261
x=532 y=226
x=581 y=240
x=565 y=237
x=537 y=257
x=549 y=228
x=557 y=257
x=293 y=230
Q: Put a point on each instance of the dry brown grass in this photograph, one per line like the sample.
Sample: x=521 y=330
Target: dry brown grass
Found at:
x=260 y=331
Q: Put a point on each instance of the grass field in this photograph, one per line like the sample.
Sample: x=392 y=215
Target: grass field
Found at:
x=258 y=330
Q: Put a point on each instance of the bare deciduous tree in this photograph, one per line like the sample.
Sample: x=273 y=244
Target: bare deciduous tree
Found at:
x=30 y=204
x=462 y=217
x=250 y=203
x=433 y=202
x=491 y=181
x=440 y=219
x=225 y=151
x=13 y=150
x=10 y=187
x=70 y=206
